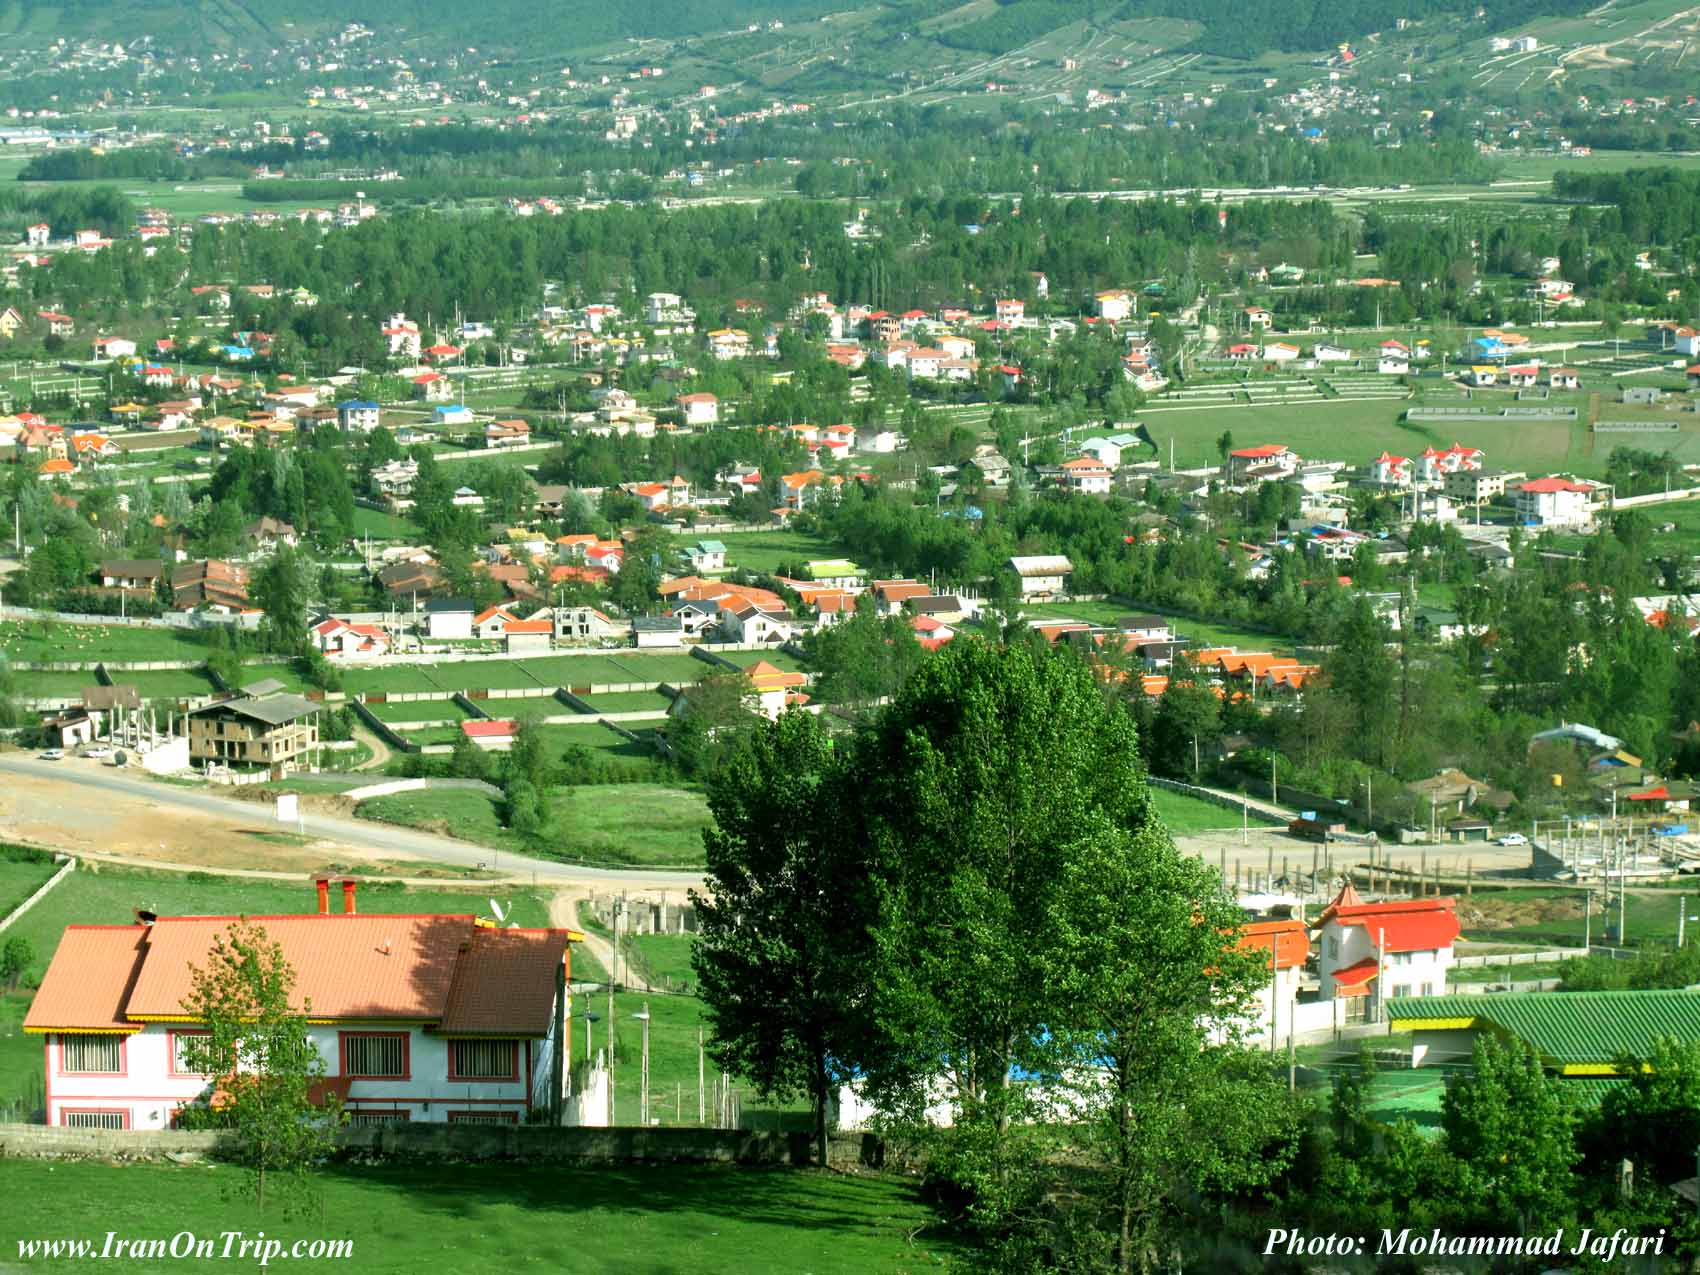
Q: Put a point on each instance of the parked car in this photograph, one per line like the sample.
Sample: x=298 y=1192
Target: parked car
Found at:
x=52 y=754
x=1511 y=839
x=99 y=751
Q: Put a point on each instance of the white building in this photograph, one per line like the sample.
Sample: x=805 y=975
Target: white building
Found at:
x=1040 y=576
x=1555 y=502
x=1375 y=951
x=415 y=1018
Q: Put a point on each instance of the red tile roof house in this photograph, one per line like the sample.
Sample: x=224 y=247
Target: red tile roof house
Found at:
x=1376 y=951
x=496 y=735
x=417 y=1017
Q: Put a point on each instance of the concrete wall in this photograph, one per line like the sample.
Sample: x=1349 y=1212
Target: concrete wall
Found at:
x=420 y=785
x=438 y=1142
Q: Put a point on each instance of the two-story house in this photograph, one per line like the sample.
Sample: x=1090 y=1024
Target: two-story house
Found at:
x=1374 y=951
x=415 y=1018
x=274 y=731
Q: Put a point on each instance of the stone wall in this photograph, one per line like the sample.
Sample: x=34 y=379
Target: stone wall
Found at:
x=439 y=1142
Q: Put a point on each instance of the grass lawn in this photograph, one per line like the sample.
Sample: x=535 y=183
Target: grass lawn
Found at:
x=419 y=710
x=629 y=702
x=766 y=550
x=1357 y=431
x=171 y=684
x=783 y=660
x=46 y=641
x=595 y=736
x=598 y=823
x=598 y=1220
x=1184 y=815
x=21 y=1073
x=20 y=878
x=666 y=958
x=541 y=675
x=522 y=706
x=1651 y=919
x=382 y=526
x=284 y=673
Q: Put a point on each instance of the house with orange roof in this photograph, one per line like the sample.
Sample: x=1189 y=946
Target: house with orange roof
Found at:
x=337 y=637
x=890 y=595
x=529 y=637
x=1268 y=460
x=749 y=622
x=699 y=409
x=1087 y=475
x=423 y=1018
x=1372 y=952
x=489 y=623
x=1285 y=945
x=775 y=690
x=56 y=467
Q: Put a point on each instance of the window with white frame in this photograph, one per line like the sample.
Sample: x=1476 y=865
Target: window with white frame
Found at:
x=92 y=1054
x=95 y=1119
x=181 y=1064
x=377 y=1117
x=482 y=1059
x=483 y=1117
x=378 y=1056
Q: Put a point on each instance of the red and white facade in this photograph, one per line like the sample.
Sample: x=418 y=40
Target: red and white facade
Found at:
x=1375 y=951
x=416 y=1017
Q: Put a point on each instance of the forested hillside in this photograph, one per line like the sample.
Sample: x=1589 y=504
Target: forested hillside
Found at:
x=559 y=24
x=566 y=25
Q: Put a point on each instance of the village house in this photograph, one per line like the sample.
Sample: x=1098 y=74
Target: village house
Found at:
x=336 y=637
x=489 y=623
x=1372 y=952
x=1555 y=502
x=699 y=409
x=1265 y=462
x=131 y=573
x=749 y=622
x=448 y=618
x=584 y=624
x=1039 y=576
x=268 y=532
x=775 y=690
x=274 y=732
x=534 y=636
x=508 y=433
x=425 y=1018
x=357 y=416
x=211 y=585
x=1087 y=475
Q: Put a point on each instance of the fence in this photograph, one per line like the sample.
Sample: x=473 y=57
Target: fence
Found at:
x=1637 y=427
x=1518 y=958
x=421 y=785
x=65 y=870
x=1418 y=414
x=443 y=1143
x=384 y=731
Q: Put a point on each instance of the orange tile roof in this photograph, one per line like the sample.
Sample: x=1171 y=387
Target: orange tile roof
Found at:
x=449 y=972
x=765 y=677
x=89 y=980
x=529 y=626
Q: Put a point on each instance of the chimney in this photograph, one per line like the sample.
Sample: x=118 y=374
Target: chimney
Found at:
x=324 y=884
x=348 y=884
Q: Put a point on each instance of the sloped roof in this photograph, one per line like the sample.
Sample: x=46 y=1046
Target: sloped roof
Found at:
x=1410 y=925
x=1565 y=1028
x=89 y=981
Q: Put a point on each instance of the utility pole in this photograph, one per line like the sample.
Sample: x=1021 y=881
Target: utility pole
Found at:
x=643 y=1072
x=610 y=1055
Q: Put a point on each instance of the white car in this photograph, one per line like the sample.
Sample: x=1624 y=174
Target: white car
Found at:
x=51 y=754
x=1512 y=839
x=102 y=751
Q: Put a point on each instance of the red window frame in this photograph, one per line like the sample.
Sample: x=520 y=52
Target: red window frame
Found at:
x=406 y=1056
x=512 y=1078
x=123 y=1056
x=171 y=1038
x=94 y=1111
x=482 y=1117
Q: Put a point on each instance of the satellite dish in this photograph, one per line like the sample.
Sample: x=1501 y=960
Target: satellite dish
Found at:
x=497 y=912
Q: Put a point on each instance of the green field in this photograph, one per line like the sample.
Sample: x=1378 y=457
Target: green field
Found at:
x=649 y=824
x=665 y=959
x=629 y=702
x=1207 y=632
x=764 y=551
x=1184 y=815
x=50 y=642
x=598 y=1220
x=423 y=710
x=1651 y=919
x=779 y=659
x=543 y=674
x=21 y=877
x=382 y=526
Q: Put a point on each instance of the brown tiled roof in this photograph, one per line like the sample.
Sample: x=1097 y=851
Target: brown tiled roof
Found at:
x=504 y=983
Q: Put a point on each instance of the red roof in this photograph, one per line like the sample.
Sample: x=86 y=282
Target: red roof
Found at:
x=1260 y=453
x=1354 y=980
x=496 y=729
x=529 y=626
x=1410 y=925
x=1661 y=793
x=1543 y=486
x=1288 y=940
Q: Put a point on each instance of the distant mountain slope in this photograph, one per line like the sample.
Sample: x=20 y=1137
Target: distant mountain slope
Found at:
x=1229 y=30
x=535 y=24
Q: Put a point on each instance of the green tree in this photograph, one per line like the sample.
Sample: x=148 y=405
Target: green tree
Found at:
x=707 y=726
x=1653 y=1119
x=1146 y=981
x=263 y=1066
x=280 y=590
x=782 y=971
x=1512 y=1133
x=15 y=960
x=973 y=788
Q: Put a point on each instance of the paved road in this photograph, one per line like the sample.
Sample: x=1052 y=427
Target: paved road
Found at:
x=84 y=785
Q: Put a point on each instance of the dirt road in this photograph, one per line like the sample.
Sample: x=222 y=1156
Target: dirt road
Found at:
x=80 y=805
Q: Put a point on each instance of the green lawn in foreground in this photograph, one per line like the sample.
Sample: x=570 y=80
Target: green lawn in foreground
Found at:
x=593 y=1220
x=597 y=823
x=21 y=1061
x=1184 y=815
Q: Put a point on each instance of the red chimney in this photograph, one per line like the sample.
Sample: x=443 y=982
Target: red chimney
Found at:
x=324 y=884
x=348 y=885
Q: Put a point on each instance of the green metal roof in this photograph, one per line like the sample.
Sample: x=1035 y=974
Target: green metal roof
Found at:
x=1569 y=1027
